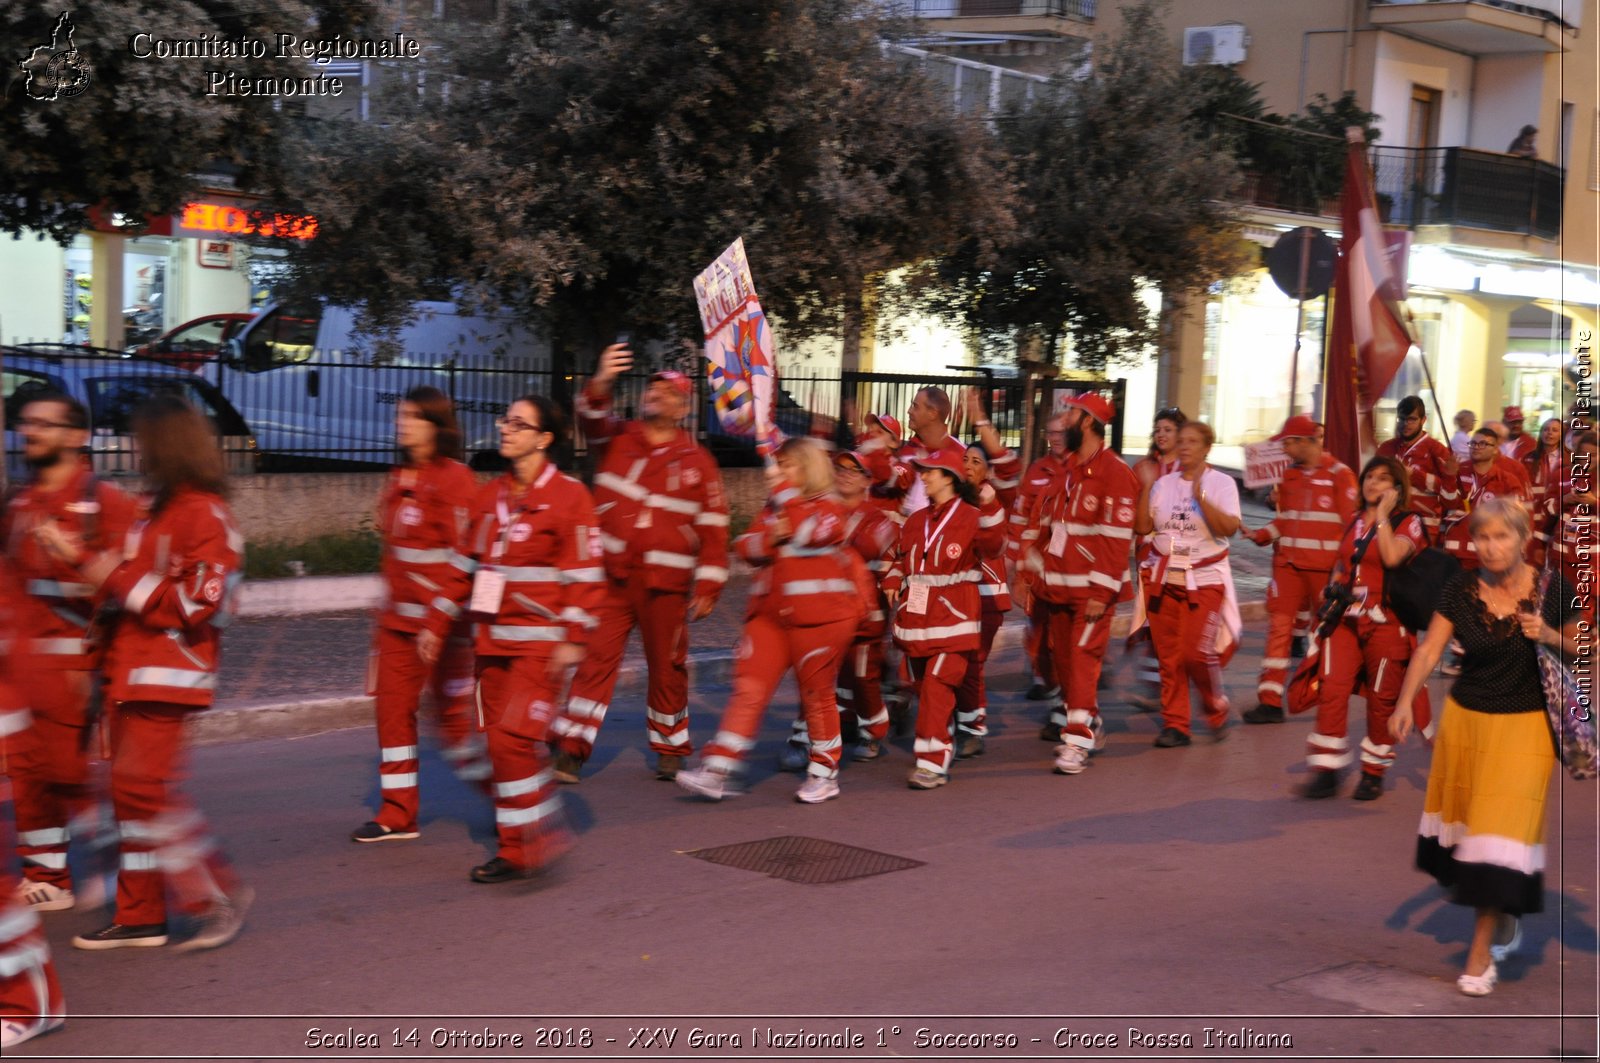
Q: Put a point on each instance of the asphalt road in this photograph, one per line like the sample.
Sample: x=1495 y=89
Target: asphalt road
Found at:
x=1162 y=892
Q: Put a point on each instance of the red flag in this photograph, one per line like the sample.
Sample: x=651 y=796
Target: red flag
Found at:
x=1369 y=338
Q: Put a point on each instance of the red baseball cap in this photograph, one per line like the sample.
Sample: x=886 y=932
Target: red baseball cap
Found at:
x=889 y=424
x=682 y=383
x=1300 y=426
x=951 y=459
x=1513 y=413
x=1095 y=406
x=853 y=457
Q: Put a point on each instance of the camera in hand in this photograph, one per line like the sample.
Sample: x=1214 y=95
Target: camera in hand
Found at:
x=1337 y=597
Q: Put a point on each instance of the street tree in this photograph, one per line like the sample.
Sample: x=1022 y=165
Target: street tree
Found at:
x=1120 y=187
x=137 y=134
x=590 y=158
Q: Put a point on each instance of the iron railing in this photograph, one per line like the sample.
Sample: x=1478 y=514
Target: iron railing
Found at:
x=1083 y=10
x=1471 y=188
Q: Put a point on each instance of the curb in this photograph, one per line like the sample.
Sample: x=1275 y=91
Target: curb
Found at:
x=308 y=594
x=298 y=719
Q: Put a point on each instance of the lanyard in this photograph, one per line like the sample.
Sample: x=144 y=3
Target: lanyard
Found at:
x=928 y=539
x=507 y=518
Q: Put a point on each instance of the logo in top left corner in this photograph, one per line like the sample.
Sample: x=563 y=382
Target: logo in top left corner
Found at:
x=57 y=71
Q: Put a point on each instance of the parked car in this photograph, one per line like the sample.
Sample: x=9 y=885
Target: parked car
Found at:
x=112 y=387
x=193 y=343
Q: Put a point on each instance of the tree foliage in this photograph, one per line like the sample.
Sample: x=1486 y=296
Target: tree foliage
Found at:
x=137 y=139
x=1118 y=187
x=591 y=158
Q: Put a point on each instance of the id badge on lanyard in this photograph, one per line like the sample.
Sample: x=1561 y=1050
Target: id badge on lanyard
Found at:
x=917 y=593
x=917 y=599
x=489 y=585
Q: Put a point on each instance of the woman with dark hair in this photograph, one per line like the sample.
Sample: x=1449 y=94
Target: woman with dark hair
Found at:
x=1161 y=460
x=1482 y=829
x=993 y=469
x=1547 y=467
x=935 y=584
x=421 y=515
x=1368 y=648
x=1188 y=515
x=528 y=573
x=173 y=582
x=805 y=605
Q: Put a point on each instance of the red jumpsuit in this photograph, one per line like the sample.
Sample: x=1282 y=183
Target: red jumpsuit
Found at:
x=56 y=665
x=1433 y=486
x=1040 y=474
x=664 y=525
x=1314 y=505
x=423 y=512
x=1545 y=476
x=805 y=607
x=972 y=700
x=938 y=622
x=543 y=542
x=1505 y=479
x=1084 y=531
x=1368 y=650
x=176 y=592
x=874 y=537
x=30 y=993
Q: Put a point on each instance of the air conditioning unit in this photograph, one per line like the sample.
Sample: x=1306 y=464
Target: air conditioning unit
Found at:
x=1214 y=45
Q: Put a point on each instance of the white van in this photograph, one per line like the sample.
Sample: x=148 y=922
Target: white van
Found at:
x=316 y=393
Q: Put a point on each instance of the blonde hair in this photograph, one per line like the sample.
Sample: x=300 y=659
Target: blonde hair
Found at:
x=816 y=468
x=1508 y=511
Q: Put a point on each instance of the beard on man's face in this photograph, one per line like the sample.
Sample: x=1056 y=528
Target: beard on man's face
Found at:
x=47 y=460
x=1074 y=437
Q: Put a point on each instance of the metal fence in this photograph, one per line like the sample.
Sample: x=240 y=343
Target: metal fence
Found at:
x=322 y=413
x=1083 y=10
x=1463 y=186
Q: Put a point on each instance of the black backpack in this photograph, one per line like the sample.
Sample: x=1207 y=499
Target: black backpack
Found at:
x=1411 y=592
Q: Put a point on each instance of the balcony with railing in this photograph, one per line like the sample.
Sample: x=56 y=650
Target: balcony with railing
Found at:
x=1077 y=10
x=1482 y=27
x=1300 y=172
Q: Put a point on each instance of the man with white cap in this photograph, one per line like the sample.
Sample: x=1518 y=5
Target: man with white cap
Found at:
x=664 y=528
x=1079 y=555
x=1317 y=499
x=1518 y=444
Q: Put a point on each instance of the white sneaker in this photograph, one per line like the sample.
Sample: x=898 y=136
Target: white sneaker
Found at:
x=816 y=790
x=871 y=749
x=711 y=785
x=1070 y=759
x=44 y=896
x=926 y=779
x=793 y=757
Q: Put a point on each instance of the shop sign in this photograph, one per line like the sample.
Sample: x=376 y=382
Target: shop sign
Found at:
x=214 y=254
x=217 y=218
x=1264 y=464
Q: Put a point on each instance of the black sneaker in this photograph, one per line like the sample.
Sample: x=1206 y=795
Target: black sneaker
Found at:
x=1171 y=738
x=501 y=870
x=1370 y=788
x=969 y=745
x=221 y=922
x=373 y=831
x=668 y=766
x=1038 y=691
x=1264 y=714
x=567 y=767
x=1322 y=784
x=117 y=936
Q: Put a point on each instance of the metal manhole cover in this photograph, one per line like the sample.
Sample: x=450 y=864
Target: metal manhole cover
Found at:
x=808 y=861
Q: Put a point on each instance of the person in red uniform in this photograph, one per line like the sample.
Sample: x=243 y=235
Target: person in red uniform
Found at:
x=934 y=586
x=1433 y=469
x=928 y=419
x=1547 y=468
x=1162 y=459
x=890 y=479
x=57 y=658
x=1316 y=499
x=805 y=608
x=31 y=1002
x=859 y=688
x=1491 y=475
x=173 y=581
x=1084 y=525
x=528 y=575
x=993 y=470
x=1368 y=648
x=664 y=525
x=422 y=513
x=1517 y=444
x=1040 y=474
x=1189 y=515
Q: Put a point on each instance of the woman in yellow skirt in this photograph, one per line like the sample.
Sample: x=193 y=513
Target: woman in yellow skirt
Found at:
x=1482 y=829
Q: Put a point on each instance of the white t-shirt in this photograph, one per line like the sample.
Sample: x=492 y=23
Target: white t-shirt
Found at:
x=1461 y=446
x=1181 y=532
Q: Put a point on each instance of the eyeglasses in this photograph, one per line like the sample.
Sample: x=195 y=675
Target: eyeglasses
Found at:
x=1483 y=442
x=1408 y=419
x=512 y=425
x=35 y=422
